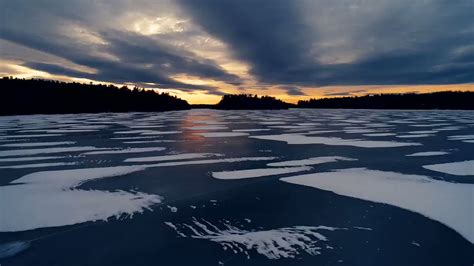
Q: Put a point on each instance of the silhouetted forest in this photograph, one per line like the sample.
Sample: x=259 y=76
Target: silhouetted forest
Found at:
x=248 y=101
x=435 y=100
x=33 y=96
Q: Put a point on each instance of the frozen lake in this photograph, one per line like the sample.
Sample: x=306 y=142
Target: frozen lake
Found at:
x=207 y=187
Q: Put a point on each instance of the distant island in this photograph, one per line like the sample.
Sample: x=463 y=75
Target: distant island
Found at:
x=463 y=100
x=249 y=101
x=35 y=96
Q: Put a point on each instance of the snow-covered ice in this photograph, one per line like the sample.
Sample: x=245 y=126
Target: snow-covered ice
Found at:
x=51 y=198
x=427 y=153
x=252 y=173
x=311 y=161
x=302 y=139
x=445 y=202
x=453 y=168
x=279 y=243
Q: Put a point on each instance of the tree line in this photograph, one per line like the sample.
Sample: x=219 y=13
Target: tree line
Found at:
x=436 y=100
x=36 y=96
x=249 y=101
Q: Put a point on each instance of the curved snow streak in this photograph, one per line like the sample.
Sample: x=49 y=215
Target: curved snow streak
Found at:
x=26 y=159
x=37 y=165
x=48 y=150
x=312 y=161
x=454 y=168
x=427 y=153
x=51 y=198
x=285 y=242
x=445 y=202
x=252 y=173
x=171 y=157
x=124 y=151
x=221 y=134
x=39 y=144
x=302 y=139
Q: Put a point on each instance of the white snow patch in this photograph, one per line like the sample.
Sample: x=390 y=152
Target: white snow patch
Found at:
x=252 y=173
x=25 y=159
x=70 y=130
x=363 y=228
x=461 y=137
x=183 y=156
x=286 y=242
x=454 y=168
x=414 y=136
x=427 y=153
x=149 y=141
x=47 y=150
x=445 y=202
x=379 y=134
x=29 y=136
x=359 y=131
x=210 y=127
x=312 y=161
x=212 y=161
x=39 y=144
x=128 y=150
x=301 y=139
x=154 y=132
x=51 y=198
x=221 y=134
x=37 y=165
x=251 y=130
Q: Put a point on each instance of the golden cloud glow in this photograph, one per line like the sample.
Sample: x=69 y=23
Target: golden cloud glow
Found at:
x=14 y=68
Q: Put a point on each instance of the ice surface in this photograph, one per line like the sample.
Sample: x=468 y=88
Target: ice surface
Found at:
x=286 y=242
x=24 y=159
x=29 y=136
x=414 y=136
x=36 y=165
x=70 y=130
x=39 y=144
x=213 y=161
x=47 y=150
x=210 y=127
x=128 y=150
x=183 y=156
x=312 y=161
x=454 y=168
x=379 y=134
x=12 y=248
x=150 y=141
x=251 y=130
x=445 y=202
x=301 y=139
x=155 y=132
x=252 y=173
x=461 y=137
x=221 y=134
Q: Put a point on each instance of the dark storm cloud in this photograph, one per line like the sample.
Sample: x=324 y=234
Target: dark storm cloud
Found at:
x=293 y=91
x=124 y=57
x=347 y=93
x=398 y=42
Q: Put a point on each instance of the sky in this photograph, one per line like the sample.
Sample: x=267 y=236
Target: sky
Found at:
x=200 y=50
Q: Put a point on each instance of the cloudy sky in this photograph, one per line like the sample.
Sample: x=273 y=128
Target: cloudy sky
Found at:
x=201 y=49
